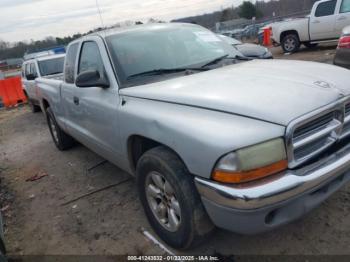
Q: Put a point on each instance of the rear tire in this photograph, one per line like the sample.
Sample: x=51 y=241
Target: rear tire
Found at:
x=309 y=45
x=2 y=249
x=290 y=43
x=170 y=199
x=59 y=137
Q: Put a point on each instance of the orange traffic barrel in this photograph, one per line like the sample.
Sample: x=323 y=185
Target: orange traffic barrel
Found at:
x=267 y=36
x=11 y=91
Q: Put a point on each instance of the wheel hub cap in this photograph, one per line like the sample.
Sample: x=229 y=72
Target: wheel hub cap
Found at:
x=289 y=44
x=163 y=201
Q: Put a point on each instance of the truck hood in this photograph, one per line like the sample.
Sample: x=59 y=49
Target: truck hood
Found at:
x=274 y=91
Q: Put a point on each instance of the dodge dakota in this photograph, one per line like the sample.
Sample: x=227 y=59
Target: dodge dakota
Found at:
x=212 y=139
x=324 y=24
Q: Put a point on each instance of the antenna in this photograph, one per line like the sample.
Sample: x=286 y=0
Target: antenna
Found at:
x=99 y=12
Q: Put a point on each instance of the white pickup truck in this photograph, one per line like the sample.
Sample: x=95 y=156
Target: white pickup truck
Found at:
x=324 y=24
x=47 y=66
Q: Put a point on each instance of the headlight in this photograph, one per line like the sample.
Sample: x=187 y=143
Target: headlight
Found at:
x=252 y=162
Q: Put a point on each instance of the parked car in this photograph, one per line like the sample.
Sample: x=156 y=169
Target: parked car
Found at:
x=212 y=140
x=235 y=33
x=2 y=242
x=324 y=24
x=248 y=50
x=250 y=31
x=48 y=66
x=342 y=56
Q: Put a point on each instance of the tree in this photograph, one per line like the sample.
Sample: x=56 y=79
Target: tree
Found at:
x=248 y=10
x=225 y=15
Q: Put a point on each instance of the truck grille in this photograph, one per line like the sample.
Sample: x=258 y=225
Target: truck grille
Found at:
x=346 y=127
x=314 y=133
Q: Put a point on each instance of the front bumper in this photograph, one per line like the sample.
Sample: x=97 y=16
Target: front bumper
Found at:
x=262 y=205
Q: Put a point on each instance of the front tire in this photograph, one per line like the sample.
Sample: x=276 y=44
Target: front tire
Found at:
x=59 y=137
x=290 y=43
x=33 y=107
x=170 y=200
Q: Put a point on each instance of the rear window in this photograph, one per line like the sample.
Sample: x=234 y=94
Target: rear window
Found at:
x=71 y=57
x=326 y=8
x=51 y=66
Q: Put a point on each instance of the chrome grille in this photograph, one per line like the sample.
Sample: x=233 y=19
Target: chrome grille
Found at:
x=313 y=126
x=347 y=109
x=313 y=133
x=346 y=127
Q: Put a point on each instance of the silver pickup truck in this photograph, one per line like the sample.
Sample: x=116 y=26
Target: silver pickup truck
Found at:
x=211 y=139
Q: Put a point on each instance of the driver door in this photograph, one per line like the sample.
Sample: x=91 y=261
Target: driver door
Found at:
x=322 y=23
x=96 y=107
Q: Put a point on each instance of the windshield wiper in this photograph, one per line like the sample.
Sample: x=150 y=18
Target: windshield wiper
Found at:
x=164 y=71
x=243 y=58
x=219 y=59
x=215 y=61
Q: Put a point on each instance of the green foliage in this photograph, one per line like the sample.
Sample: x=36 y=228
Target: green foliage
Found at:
x=225 y=15
x=19 y=49
x=248 y=10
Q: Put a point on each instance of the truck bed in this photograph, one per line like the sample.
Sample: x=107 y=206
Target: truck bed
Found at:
x=49 y=90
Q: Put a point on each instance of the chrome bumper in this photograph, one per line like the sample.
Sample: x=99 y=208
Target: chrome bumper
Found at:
x=277 y=188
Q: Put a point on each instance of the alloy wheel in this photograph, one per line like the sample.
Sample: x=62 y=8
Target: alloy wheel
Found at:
x=163 y=202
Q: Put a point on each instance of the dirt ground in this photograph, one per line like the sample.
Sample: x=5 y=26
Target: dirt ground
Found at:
x=41 y=219
x=323 y=53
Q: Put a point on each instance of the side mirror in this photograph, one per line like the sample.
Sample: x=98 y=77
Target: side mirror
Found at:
x=30 y=77
x=91 y=78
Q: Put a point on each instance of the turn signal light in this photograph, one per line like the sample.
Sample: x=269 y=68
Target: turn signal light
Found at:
x=246 y=176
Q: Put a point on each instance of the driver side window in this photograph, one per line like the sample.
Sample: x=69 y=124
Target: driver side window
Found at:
x=33 y=70
x=90 y=58
x=27 y=70
x=345 y=6
x=326 y=8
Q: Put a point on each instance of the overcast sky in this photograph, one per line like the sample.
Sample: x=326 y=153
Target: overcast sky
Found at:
x=36 y=19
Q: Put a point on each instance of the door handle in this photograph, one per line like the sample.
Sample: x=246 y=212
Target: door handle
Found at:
x=342 y=18
x=76 y=100
x=316 y=21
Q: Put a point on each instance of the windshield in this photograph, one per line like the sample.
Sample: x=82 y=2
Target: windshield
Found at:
x=51 y=66
x=229 y=40
x=165 y=47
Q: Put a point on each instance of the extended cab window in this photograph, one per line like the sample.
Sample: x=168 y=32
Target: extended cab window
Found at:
x=70 y=63
x=326 y=8
x=51 y=66
x=90 y=58
x=345 y=6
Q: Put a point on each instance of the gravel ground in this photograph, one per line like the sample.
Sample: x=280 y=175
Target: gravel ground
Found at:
x=39 y=221
x=323 y=53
